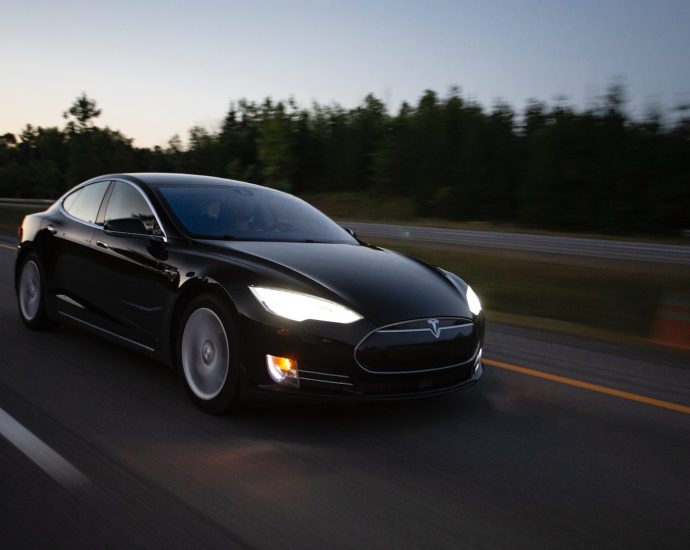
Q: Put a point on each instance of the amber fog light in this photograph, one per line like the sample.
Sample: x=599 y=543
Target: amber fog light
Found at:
x=282 y=370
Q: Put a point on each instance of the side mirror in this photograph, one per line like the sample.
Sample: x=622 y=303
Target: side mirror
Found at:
x=350 y=231
x=126 y=226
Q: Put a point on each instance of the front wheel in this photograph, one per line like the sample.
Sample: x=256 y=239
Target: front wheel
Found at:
x=31 y=294
x=208 y=354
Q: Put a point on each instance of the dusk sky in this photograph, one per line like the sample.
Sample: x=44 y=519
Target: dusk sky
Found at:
x=158 y=68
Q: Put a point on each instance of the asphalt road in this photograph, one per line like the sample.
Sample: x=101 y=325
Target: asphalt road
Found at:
x=548 y=244
x=121 y=459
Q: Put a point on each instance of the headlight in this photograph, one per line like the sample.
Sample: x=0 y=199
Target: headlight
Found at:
x=299 y=307
x=473 y=301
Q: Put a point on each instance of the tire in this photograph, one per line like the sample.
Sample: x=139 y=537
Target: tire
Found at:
x=208 y=354
x=31 y=294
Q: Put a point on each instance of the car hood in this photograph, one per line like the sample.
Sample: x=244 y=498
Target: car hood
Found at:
x=382 y=285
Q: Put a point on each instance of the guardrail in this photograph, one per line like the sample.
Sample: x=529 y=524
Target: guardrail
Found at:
x=547 y=244
x=21 y=203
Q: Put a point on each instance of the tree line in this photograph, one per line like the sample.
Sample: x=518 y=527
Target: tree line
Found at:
x=551 y=166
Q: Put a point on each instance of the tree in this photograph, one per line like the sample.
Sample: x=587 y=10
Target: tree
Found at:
x=84 y=111
x=275 y=147
x=554 y=167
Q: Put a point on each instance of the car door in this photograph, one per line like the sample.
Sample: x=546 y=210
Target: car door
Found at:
x=134 y=283
x=66 y=249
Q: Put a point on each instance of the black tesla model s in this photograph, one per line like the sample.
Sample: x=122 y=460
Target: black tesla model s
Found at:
x=246 y=290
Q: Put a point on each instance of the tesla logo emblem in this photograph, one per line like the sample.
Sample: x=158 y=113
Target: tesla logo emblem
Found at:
x=433 y=327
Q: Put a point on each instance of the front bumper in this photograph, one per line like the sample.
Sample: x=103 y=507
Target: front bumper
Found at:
x=277 y=392
x=328 y=366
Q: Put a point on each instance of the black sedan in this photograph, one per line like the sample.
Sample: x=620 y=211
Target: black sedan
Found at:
x=245 y=290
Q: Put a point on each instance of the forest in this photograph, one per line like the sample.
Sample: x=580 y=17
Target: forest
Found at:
x=550 y=166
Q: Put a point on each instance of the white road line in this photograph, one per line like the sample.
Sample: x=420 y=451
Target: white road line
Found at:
x=42 y=455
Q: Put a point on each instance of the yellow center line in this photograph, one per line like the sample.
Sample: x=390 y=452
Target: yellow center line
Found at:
x=8 y=247
x=591 y=387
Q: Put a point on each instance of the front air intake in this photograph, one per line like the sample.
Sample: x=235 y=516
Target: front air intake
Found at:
x=420 y=345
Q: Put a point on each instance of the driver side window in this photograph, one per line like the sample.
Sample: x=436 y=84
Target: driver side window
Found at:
x=126 y=202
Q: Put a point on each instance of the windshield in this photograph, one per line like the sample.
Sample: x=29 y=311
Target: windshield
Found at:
x=250 y=214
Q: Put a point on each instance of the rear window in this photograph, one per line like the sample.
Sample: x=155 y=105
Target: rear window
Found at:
x=84 y=203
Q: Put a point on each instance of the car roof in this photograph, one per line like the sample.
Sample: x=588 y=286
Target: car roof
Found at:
x=158 y=179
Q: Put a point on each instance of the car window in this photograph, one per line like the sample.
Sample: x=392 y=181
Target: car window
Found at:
x=127 y=202
x=85 y=202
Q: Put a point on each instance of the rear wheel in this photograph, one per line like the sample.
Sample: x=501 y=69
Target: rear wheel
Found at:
x=31 y=294
x=208 y=354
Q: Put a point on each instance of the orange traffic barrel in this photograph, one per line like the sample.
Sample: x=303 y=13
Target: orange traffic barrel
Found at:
x=671 y=325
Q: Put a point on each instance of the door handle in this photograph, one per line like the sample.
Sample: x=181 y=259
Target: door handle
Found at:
x=171 y=274
x=51 y=229
x=102 y=244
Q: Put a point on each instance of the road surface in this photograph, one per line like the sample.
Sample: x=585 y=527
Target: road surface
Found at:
x=101 y=448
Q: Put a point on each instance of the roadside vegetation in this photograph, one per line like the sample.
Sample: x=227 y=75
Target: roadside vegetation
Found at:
x=548 y=167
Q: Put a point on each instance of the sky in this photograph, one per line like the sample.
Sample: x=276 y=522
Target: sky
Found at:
x=158 y=68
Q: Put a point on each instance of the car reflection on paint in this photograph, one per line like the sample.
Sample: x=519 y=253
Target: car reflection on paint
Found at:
x=246 y=291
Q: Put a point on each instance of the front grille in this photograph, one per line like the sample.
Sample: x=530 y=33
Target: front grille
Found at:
x=418 y=346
